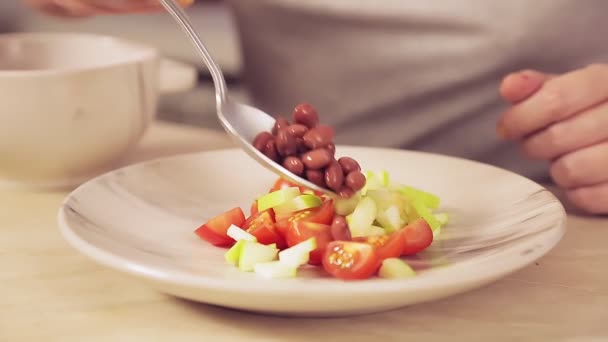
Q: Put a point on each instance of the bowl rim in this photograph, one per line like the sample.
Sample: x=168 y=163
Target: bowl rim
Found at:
x=142 y=53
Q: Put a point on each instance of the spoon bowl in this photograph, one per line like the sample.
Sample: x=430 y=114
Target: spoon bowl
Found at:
x=241 y=122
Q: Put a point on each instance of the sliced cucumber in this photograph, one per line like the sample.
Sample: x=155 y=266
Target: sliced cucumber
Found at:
x=426 y=214
x=362 y=217
x=239 y=234
x=390 y=219
x=275 y=270
x=299 y=254
x=233 y=254
x=253 y=253
x=375 y=181
x=277 y=198
x=428 y=199
x=395 y=268
x=383 y=197
x=384 y=178
x=375 y=230
x=345 y=206
x=297 y=203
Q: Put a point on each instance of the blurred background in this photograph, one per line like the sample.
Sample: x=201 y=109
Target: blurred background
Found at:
x=212 y=19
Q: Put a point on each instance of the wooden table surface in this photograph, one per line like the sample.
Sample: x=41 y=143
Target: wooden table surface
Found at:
x=50 y=292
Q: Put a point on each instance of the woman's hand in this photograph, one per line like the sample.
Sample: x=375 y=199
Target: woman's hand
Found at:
x=563 y=119
x=87 y=8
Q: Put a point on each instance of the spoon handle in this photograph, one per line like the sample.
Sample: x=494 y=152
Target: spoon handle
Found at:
x=182 y=19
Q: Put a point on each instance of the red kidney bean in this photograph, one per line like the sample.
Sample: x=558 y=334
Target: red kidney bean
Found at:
x=317 y=138
x=317 y=159
x=261 y=140
x=306 y=115
x=326 y=130
x=294 y=165
x=316 y=177
x=297 y=130
x=279 y=124
x=270 y=150
x=332 y=149
x=314 y=144
x=301 y=146
x=286 y=143
x=346 y=192
x=349 y=165
x=355 y=180
x=334 y=176
x=339 y=229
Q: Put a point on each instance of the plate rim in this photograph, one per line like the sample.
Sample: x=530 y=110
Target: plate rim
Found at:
x=285 y=287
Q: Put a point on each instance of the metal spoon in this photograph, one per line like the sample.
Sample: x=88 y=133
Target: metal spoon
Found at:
x=242 y=122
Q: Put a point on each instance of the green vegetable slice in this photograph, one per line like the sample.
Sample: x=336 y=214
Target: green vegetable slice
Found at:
x=345 y=206
x=275 y=270
x=277 y=198
x=239 y=234
x=395 y=268
x=233 y=254
x=299 y=254
x=362 y=217
x=297 y=203
x=390 y=219
x=413 y=194
x=253 y=253
x=426 y=214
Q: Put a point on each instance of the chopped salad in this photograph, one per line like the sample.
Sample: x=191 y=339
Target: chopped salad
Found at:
x=354 y=238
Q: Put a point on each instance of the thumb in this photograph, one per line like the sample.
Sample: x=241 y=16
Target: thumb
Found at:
x=518 y=86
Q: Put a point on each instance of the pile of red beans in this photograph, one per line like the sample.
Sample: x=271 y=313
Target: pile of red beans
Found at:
x=306 y=148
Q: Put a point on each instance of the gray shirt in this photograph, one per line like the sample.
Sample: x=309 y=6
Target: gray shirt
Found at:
x=413 y=74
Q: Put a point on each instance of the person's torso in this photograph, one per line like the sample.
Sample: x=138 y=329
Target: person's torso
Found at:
x=413 y=74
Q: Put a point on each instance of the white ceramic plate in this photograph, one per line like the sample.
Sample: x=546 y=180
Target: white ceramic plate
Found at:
x=140 y=220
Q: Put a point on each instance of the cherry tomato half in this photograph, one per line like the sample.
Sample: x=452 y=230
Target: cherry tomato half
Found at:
x=254 y=208
x=282 y=183
x=323 y=214
x=214 y=231
x=418 y=236
x=303 y=230
x=261 y=225
x=349 y=260
x=386 y=246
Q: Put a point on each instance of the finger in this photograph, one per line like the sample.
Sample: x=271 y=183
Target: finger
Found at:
x=132 y=6
x=584 y=167
x=592 y=199
x=559 y=98
x=518 y=86
x=64 y=8
x=126 y=6
x=582 y=130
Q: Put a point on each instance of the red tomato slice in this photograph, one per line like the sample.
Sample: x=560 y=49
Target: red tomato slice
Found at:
x=349 y=260
x=261 y=225
x=214 y=231
x=386 y=246
x=304 y=230
x=282 y=183
x=323 y=214
x=254 y=208
x=418 y=236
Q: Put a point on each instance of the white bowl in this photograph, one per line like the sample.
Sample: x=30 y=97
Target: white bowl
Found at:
x=72 y=104
x=139 y=220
